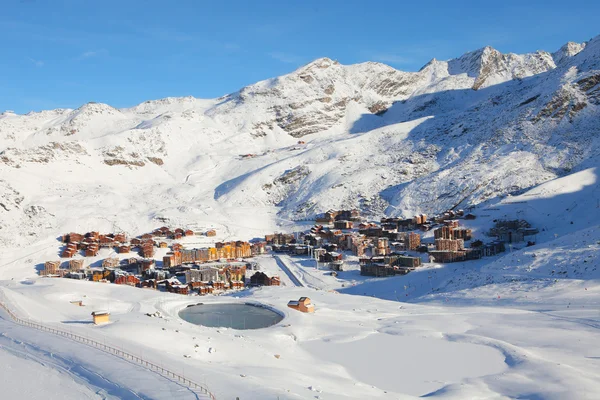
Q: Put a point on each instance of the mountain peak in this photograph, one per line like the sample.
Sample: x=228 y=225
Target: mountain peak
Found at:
x=567 y=51
x=489 y=66
x=473 y=62
x=319 y=63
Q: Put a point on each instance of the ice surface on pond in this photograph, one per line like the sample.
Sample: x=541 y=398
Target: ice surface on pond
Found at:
x=236 y=316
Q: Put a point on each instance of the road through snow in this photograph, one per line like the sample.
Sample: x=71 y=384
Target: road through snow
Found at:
x=287 y=271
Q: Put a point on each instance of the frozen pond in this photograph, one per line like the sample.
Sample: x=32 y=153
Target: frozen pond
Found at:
x=408 y=364
x=236 y=316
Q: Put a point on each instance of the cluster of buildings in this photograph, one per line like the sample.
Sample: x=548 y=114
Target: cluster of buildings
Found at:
x=370 y=239
x=383 y=248
x=390 y=265
x=227 y=250
x=393 y=246
x=183 y=271
x=90 y=243
x=332 y=216
x=513 y=231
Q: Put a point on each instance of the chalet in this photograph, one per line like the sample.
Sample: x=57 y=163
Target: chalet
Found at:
x=99 y=275
x=196 y=285
x=447 y=256
x=319 y=253
x=280 y=238
x=261 y=279
x=204 y=273
x=512 y=231
x=163 y=245
x=76 y=275
x=327 y=218
x=72 y=237
x=371 y=231
x=452 y=232
x=470 y=216
x=491 y=249
x=343 y=224
x=70 y=250
x=420 y=219
x=302 y=305
x=408 y=224
x=258 y=248
x=174 y=286
x=382 y=247
x=76 y=265
x=462 y=233
x=123 y=249
x=408 y=240
x=131 y=262
x=348 y=215
x=293 y=249
x=189 y=232
x=172 y=259
x=207 y=289
x=211 y=233
x=106 y=241
x=93 y=236
x=452 y=223
x=146 y=264
x=92 y=250
x=51 y=268
x=237 y=285
x=330 y=257
x=110 y=262
x=147 y=249
x=127 y=280
x=235 y=273
x=149 y=283
x=101 y=317
x=378 y=269
x=390 y=265
x=449 y=244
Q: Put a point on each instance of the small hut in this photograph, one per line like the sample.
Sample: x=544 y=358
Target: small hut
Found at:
x=302 y=305
x=101 y=317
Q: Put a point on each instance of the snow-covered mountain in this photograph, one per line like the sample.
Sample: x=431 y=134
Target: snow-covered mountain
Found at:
x=455 y=133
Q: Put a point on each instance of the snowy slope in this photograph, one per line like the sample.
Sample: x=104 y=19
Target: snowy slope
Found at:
x=455 y=133
x=514 y=136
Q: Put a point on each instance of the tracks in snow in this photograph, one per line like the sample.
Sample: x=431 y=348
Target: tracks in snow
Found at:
x=288 y=272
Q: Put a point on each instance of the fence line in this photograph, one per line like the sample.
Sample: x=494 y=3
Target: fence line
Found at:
x=111 y=350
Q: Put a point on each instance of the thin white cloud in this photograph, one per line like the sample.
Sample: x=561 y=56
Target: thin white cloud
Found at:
x=285 y=57
x=92 y=53
x=37 y=63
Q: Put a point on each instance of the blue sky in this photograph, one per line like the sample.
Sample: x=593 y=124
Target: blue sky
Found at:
x=56 y=53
